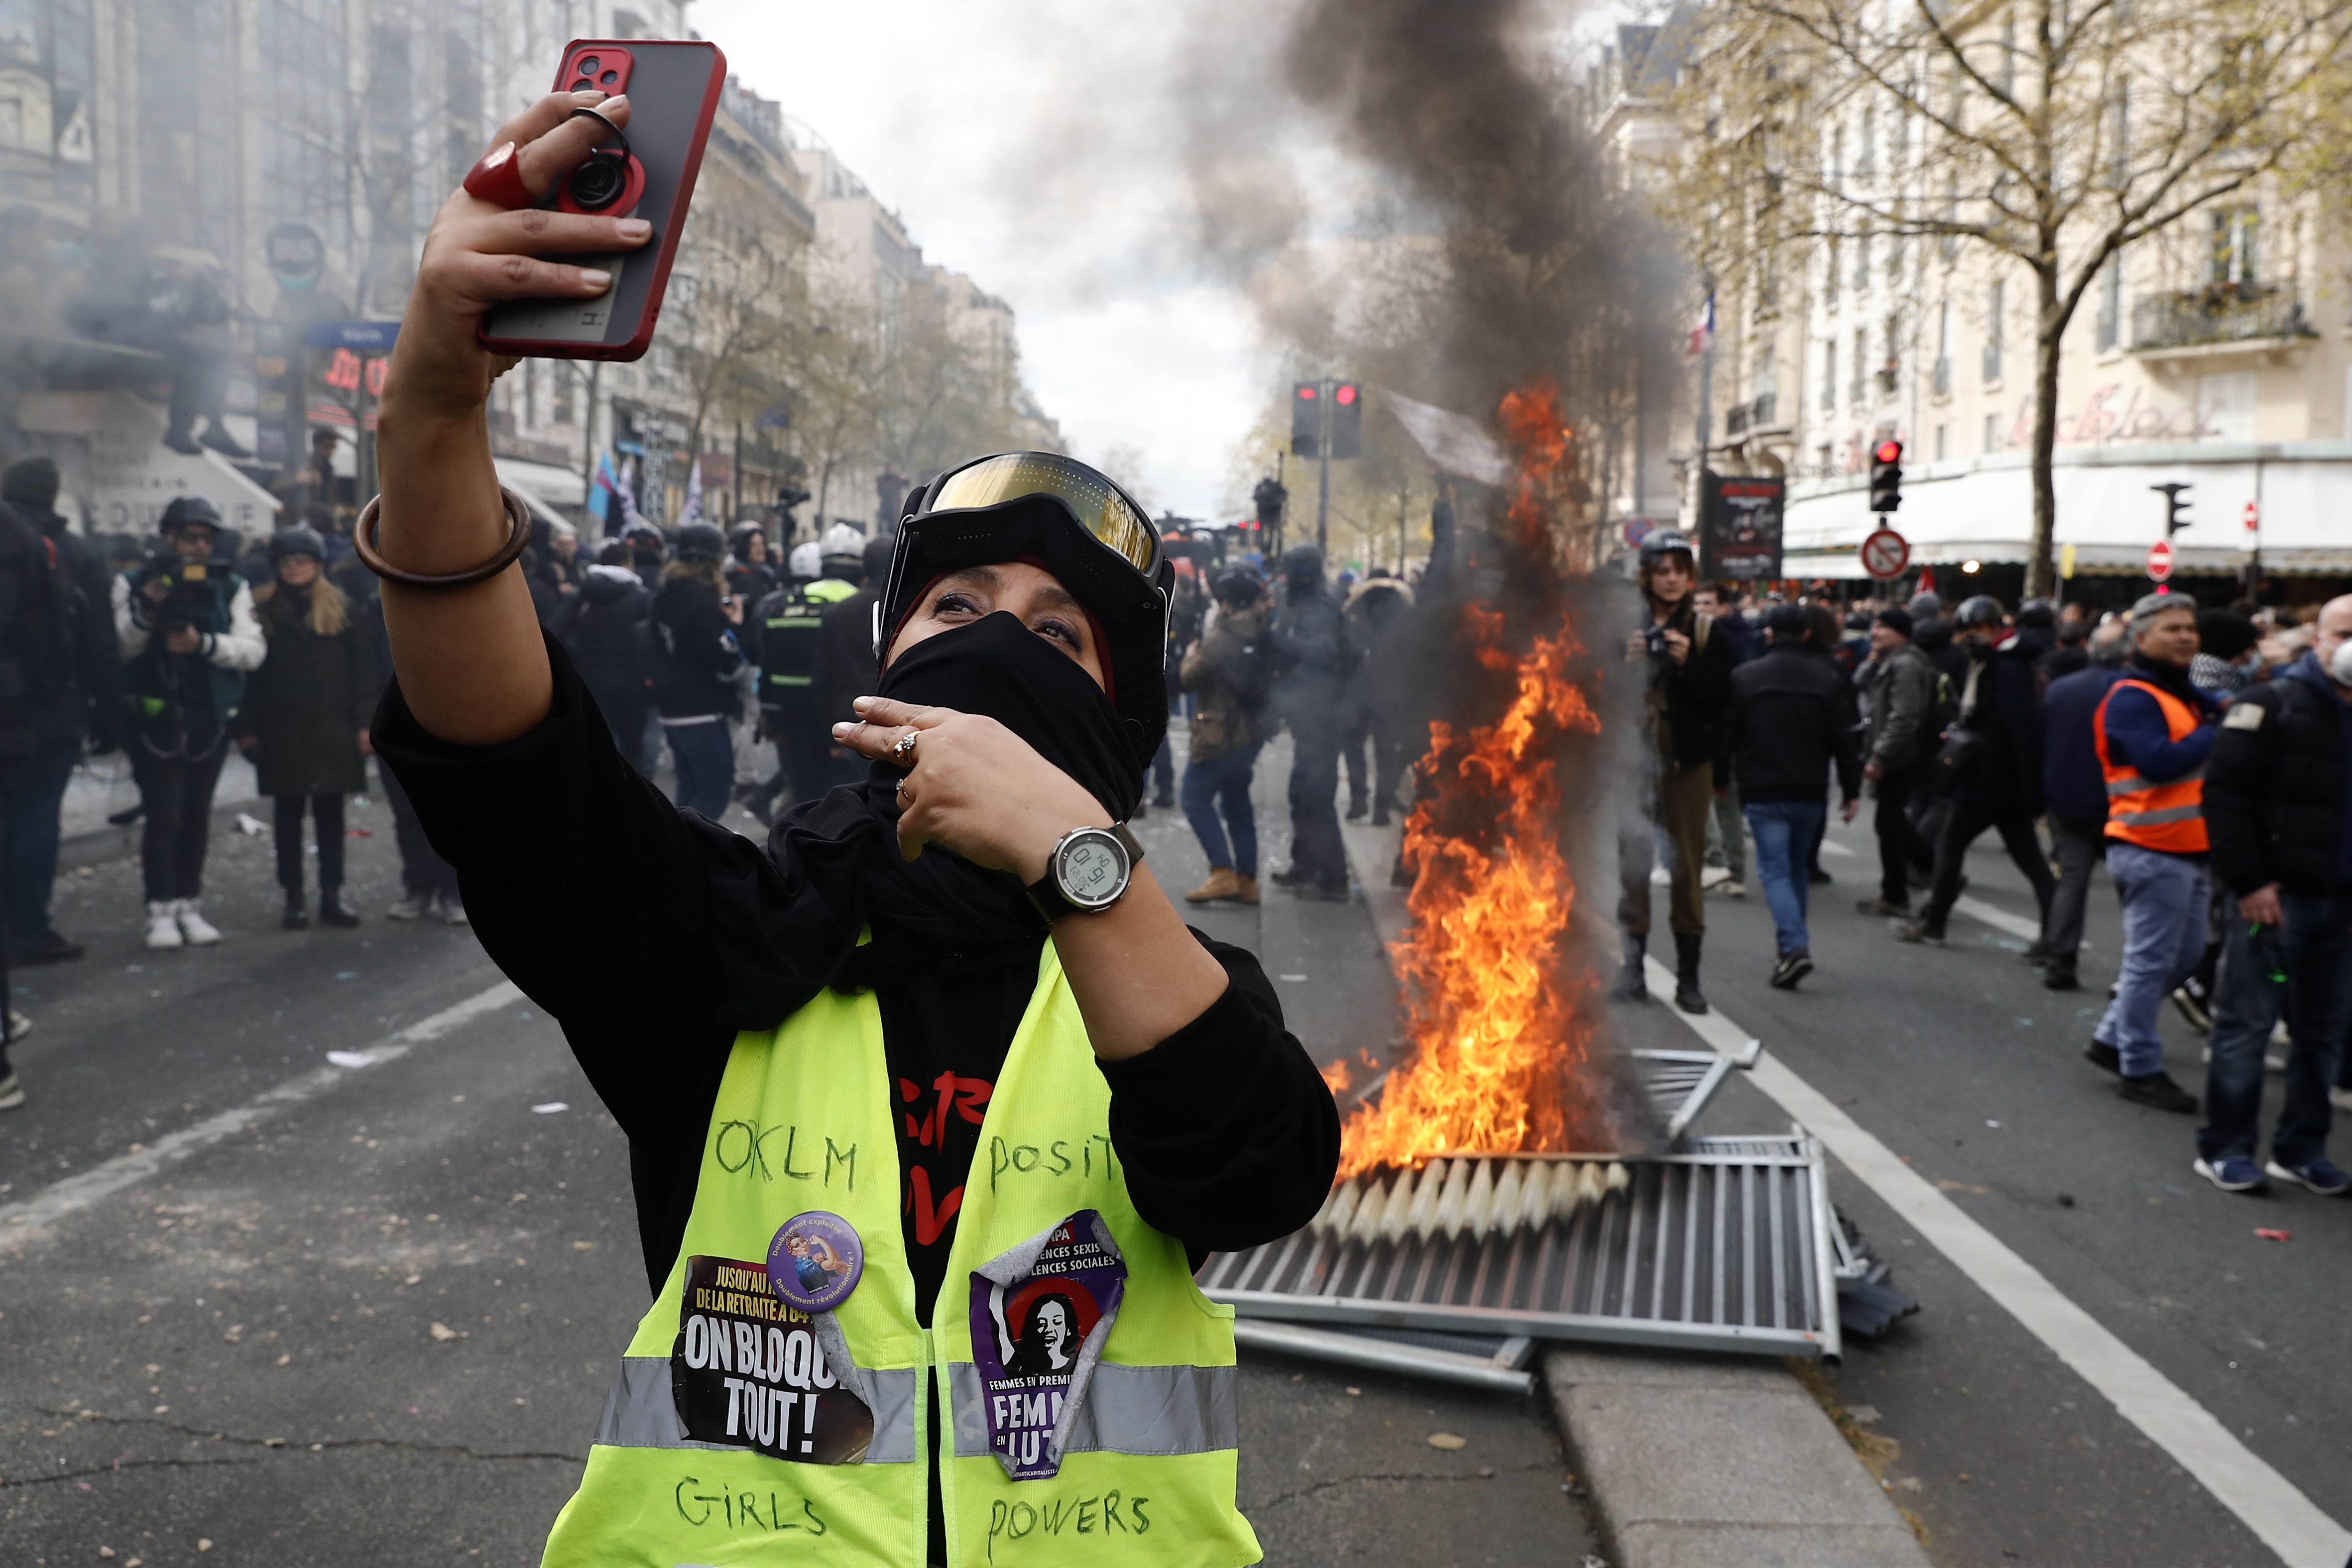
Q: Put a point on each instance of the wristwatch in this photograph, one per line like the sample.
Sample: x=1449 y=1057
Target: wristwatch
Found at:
x=1090 y=869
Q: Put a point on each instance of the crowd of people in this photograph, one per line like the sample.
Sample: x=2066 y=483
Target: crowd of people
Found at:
x=2202 y=756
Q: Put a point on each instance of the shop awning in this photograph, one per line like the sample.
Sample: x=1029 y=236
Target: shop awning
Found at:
x=1984 y=511
x=542 y=482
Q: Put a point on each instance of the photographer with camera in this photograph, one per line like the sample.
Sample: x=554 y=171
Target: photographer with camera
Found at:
x=189 y=639
x=1688 y=688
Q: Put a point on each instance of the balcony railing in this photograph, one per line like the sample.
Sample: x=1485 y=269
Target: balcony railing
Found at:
x=2221 y=314
x=1753 y=414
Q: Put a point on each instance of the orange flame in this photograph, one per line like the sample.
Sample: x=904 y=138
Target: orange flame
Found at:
x=1336 y=1078
x=1498 y=1025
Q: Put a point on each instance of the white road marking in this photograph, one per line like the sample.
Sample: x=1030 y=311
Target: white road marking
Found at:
x=30 y=1217
x=2002 y=920
x=1974 y=908
x=2266 y=1501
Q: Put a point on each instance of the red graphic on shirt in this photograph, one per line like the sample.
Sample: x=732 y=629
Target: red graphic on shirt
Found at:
x=929 y=1224
x=965 y=1096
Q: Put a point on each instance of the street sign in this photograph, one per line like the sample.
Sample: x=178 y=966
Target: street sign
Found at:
x=1636 y=530
x=364 y=337
x=2160 y=560
x=2254 y=516
x=295 y=255
x=1885 y=553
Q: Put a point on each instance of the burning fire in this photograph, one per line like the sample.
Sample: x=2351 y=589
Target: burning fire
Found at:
x=1498 y=1027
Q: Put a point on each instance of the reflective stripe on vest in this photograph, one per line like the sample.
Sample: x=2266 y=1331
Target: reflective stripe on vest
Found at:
x=803 y=1119
x=2169 y=816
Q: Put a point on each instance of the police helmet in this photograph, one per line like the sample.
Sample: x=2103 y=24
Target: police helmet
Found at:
x=1979 y=610
x=701 y=541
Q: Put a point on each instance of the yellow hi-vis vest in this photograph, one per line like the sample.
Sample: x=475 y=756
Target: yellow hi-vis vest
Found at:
x=803 y=1122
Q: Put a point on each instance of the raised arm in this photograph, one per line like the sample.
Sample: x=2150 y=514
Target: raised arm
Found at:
x=470 y=661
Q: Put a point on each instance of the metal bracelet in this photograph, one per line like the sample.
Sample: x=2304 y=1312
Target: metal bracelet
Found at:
x=363 y=542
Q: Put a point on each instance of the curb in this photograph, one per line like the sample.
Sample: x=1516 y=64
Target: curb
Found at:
x=1701 y=1461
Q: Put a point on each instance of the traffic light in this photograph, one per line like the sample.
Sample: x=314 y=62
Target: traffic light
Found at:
x=2176 y=510
x=1306 y=418
x=1886 y=475
x=1347 y=420
x=1269 y=495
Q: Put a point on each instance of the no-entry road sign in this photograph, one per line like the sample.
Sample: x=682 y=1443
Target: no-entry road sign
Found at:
x=1885 y=553
x=2160 y=560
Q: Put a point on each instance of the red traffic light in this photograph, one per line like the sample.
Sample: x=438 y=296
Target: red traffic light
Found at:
x=1306 y=393
x=1888 y=451
x=1345 y=393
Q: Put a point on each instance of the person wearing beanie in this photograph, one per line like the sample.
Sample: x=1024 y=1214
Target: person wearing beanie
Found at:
x=1899 y=687
x=2153 y=730
x=2228 y=660
x=75 y=704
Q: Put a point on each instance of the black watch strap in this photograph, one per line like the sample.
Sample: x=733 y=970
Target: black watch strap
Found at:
x=1045 y=896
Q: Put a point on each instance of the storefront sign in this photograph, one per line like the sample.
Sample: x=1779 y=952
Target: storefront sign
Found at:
x=1739 y=526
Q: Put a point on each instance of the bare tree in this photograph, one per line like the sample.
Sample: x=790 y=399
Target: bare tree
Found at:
x=2049 y=134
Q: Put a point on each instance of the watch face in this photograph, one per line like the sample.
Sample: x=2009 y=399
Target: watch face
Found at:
x=1092 y=870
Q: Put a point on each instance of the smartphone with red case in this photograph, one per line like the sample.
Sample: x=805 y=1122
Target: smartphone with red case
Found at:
x=673 y=90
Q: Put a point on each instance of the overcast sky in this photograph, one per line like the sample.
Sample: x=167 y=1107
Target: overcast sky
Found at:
x=1033 y=145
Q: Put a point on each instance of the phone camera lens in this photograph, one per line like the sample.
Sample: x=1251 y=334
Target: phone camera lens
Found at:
x=588 y=64
x=609 y=78
x=584 y=85
x=597 y=183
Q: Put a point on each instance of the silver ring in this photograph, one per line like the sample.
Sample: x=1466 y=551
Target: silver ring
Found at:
x=900 y=792
x=902 y=751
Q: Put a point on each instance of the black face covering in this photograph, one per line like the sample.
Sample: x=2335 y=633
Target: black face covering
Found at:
x=793 y=916
x=999 y=667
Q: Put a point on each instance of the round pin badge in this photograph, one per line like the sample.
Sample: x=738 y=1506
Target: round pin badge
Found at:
x=815 y=1261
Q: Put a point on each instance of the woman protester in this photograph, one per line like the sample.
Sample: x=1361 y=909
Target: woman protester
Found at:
x=305 y=719
x=944 y=1018
x=186 y=621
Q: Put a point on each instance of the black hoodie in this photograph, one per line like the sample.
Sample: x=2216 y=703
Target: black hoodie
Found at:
x=598 y=625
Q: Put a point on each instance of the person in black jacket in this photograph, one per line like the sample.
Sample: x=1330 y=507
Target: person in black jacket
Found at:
x=2275 y=786
x=1312 y=661
x=845 y=668
x=73 y=687
x=599 y=629
x=692 y=656
x=1789 y=724
x=1688 y=685
x=1996 y=773
x=305 y=718
x=2074 y=798
x=428 y=885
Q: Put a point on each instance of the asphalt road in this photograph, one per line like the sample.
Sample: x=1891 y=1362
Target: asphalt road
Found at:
x=1961 y=1062
x=378 y=1320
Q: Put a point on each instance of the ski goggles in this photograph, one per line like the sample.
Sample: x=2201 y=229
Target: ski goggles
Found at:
x=1102 y=509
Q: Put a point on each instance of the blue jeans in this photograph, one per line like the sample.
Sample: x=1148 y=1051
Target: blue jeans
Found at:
x=1785 y=832
x=35 y=791
x=2163 y=901
x=2306 y=967
x=1223 y=780
x=705 y=755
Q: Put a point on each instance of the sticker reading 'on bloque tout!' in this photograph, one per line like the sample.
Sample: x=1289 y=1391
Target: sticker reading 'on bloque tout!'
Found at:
x=1040 y=1315
x=747 y=1371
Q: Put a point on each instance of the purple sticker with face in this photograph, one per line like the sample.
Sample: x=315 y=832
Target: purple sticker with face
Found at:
x=1039 y=1317
x=815 y=1261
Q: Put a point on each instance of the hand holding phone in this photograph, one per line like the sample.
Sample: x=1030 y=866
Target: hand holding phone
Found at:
x=642 y=169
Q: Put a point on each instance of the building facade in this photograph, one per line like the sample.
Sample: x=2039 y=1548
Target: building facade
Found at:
x=2216 y=355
